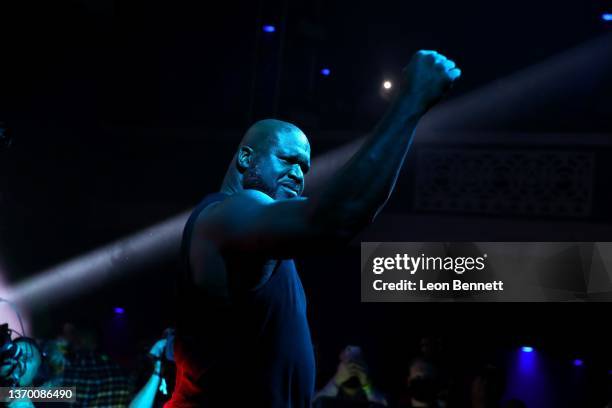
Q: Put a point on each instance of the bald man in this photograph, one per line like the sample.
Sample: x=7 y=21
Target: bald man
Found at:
x=242 y=335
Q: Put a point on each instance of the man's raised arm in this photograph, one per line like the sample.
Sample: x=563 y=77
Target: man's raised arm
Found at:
x=251 y=221
x=359 y=190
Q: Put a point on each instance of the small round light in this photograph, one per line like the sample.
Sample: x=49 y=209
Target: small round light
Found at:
x=325 y=72
x=387 y=85
x=119 y=310
x=606 y=16
x=578 y=362
x=527 y=349
x=269 y=28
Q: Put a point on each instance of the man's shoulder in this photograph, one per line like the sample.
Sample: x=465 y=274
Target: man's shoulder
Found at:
x=224 y=207
x=249 y=195
x=205 y=206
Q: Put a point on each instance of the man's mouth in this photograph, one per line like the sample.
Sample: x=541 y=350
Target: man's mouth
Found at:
x=291 y=188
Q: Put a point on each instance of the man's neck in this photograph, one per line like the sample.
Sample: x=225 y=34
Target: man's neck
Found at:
x=232 y=182
x=229 y=190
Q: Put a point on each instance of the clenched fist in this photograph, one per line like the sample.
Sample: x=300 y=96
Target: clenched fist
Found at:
x=426 y=78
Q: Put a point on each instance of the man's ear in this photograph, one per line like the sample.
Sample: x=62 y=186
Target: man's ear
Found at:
x=244 y=158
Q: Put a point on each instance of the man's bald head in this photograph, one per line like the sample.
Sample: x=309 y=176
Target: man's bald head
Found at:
x=272 y=157
x=269 y=132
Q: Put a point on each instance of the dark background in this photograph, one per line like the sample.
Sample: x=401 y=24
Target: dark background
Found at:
x=123 y=114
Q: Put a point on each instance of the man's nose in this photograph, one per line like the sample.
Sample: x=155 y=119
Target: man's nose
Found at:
x=296 y=174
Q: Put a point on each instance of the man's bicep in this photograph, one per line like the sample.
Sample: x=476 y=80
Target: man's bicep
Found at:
x=251 y=222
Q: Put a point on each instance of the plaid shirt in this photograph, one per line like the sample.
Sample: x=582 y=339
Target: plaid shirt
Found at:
x=99 y=381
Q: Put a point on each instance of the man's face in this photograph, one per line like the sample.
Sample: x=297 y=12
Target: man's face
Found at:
x=278 y=169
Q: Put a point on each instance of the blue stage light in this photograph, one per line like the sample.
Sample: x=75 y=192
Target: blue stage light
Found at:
x=527 y=349
x=325 y=72
x=269 y=28
x=119 y=310
x=578 y=362
x=606 y=16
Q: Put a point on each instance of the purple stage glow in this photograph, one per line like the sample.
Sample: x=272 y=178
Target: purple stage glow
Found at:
x=528 y=378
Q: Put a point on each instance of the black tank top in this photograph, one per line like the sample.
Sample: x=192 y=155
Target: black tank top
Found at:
x=254 y=350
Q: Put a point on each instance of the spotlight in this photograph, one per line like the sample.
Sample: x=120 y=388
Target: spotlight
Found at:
x=325 y=72
x=606 y=16
x=119 y=310
x=268 y=28
x=578 y=362
x=527 y=349
x=387 y=84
